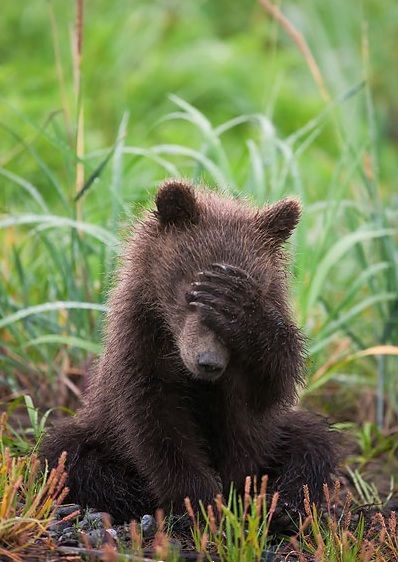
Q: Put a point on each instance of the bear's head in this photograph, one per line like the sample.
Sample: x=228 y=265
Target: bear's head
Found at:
x=191 y=230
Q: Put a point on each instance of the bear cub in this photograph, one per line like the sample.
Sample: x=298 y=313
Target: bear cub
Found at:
x=198 y=380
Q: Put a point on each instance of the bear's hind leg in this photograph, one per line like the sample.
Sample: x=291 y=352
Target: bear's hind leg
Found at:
x=108 y=485
x=304 y=451
x=97 y=478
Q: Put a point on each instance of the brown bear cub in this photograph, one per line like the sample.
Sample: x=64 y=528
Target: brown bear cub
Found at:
x=196 y=386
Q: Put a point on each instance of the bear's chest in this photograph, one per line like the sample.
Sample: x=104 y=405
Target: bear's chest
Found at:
x=226 y=427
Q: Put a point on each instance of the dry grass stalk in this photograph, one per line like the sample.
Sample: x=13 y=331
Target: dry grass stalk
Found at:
x=28 y=499
x=59 y=69
x=272 y=509
x=77 y=63
x=264 y=484
x=320 y=551
x=334 y=537
x=301 y=43
x=109 y=553
x=307 y=502
x=367 y=551
x=297 y=550
x=136 y=538
x=336 y=492
x=259 y=504
x=247 y=497
x=161 y=542
x=212 y=519
x=204 y=542
x=392 y=523
x=190 y=511
x=218 y=502
x=346 y=510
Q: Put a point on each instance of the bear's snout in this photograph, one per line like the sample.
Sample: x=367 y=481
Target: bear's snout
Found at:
x=201 y=351
x=211 y=364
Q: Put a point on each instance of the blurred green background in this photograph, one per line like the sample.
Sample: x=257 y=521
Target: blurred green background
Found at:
x=218 y=92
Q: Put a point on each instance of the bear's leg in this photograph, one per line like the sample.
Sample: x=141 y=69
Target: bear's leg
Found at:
x=304 y=450
x=96 y=477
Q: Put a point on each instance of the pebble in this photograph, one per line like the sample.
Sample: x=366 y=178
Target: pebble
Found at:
x=270 y=556
x=96 y=518
x=91 y=521
x=68 y=541
x=69 y=530
x=69 y=537
x=58 y=527
x=83 y=525
x=148 y=525
x=66 y=509
x=96 y=538
x=112 y=533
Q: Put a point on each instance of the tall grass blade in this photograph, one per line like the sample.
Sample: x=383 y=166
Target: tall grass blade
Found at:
x=49 y=307
x=54 y=221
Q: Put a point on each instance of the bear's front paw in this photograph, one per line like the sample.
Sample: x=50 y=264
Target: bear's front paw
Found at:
x=201 y=488
x=286 y=518
x=227 y=299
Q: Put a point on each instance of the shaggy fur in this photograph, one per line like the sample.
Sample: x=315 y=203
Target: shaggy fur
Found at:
x=203 y=276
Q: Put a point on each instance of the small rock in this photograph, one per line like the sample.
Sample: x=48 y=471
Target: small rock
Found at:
x=96 y=519
x=58 y=527
x=68 y=541
x=91 y=520
x=83 y=525
x=270 y=556
x=69 y=530
x=112 y=534
x=66 y=509
x=69 y=537
x=54 y=535
x=148 y=525
x=96 y=537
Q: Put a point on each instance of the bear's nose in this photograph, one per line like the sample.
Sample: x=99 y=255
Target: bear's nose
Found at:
x=209 y=363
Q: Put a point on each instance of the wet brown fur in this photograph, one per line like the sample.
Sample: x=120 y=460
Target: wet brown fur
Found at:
x=149 y=433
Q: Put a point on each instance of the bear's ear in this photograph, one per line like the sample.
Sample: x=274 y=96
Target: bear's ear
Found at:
x=280 y=219
x=176 y=203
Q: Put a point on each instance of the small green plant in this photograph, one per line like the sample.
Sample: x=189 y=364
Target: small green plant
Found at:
x=329 y=539
x=373 y=442
x=22 y=441
x=367 y=492
x=333 y=537
x=37 y=422
x=238 y=529
x=28 y=496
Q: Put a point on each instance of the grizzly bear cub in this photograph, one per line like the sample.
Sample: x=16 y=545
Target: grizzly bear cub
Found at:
x=196 y=386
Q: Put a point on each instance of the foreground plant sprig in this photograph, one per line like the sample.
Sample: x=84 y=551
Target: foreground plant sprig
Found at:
x=332 y=537
x=238 y=529
x=29 y=497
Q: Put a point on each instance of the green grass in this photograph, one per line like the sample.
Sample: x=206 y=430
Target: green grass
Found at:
x=58 y=266
x=247 y=131
x=220 y=96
